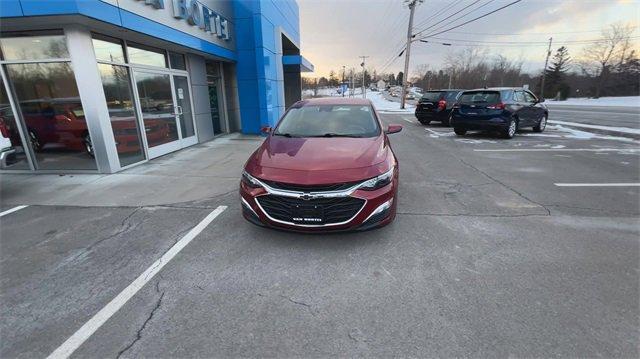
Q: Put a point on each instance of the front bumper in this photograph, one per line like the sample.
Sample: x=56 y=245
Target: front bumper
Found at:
x=378 y=210
x=7 y=157
x=431 y=114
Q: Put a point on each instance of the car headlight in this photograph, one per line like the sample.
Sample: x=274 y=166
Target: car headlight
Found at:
x=250 y=181
x=377 y=182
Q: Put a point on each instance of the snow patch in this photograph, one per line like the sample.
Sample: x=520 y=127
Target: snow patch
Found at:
x=385 y=106
x=627 y=130
x=623 y=101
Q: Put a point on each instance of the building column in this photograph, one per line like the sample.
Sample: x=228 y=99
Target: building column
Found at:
x=94 y=103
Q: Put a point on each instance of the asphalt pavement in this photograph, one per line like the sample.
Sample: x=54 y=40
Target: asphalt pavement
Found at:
x=628 y=117
x=495 y=252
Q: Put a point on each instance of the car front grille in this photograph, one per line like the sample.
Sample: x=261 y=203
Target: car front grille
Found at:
x=329 y=210
x=310 y=188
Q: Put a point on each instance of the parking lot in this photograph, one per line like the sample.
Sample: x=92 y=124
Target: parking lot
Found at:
x=523 y=247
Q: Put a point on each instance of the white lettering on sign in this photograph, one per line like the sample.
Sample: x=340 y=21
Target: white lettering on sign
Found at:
x=196 y=14
x=158 y=4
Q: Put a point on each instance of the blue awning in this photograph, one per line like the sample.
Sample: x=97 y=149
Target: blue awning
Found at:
x=305 y=65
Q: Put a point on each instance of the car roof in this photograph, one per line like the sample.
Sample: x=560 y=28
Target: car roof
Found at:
x=497 y=89
x=444 y=90
x=333 y=101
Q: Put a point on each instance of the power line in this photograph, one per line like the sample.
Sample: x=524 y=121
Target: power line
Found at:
x=448 y=17
x=529 y=33
x=438 y=13
x=474 y=19
x=456 y=19
x=394 y=57
x=524 y=42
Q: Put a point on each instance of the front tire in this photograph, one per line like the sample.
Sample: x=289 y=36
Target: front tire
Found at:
x=510 y=131
x=88 y=145
x=541 y=125
x=460 y=131
x=36 y=144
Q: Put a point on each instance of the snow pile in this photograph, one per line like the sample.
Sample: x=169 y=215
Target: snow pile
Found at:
x=624 y=101
x=383 y=105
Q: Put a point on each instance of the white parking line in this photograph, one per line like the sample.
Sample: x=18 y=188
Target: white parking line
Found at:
x=597 y=184
x=558 y=150
x=70 y=345
x=14 y=209
x=408 y=120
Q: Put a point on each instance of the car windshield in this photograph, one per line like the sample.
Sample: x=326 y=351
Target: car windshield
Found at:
x=431 y=96
x=329 y=121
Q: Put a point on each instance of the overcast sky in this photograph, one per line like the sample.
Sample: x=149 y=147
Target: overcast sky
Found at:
x=335 y=32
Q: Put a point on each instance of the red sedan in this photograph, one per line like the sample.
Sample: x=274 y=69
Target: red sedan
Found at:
x=327 y=166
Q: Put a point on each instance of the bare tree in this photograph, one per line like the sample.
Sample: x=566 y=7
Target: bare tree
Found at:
x=599 y=57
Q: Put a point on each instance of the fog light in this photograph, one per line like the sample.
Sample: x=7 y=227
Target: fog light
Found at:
x=381 y=208
x=246 y=204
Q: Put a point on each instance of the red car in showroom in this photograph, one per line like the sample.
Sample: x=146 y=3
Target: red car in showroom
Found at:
x=327 y=166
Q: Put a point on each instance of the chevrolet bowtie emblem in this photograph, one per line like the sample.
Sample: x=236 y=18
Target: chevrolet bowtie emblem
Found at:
x=307 y=196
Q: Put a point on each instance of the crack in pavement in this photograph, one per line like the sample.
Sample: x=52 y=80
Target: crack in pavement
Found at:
x=125 y=226
x=505 y=186
x=308 y=306
x=593 y=209
x=144 y=324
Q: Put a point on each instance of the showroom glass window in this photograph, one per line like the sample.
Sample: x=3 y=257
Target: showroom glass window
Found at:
x=146 y=55
x=116 y=82
x=38 y=68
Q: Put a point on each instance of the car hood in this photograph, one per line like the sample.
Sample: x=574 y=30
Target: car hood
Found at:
x=319 y=159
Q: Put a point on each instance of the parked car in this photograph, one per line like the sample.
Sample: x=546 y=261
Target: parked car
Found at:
x=7 y=152
x=436 y=105
x=501 y=109
x=327 y=166
x=411 y=95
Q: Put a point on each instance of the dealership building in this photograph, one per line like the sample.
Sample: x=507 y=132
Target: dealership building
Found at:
x=97 y=86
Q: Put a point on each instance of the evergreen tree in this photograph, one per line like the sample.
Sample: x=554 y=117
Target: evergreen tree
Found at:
x=555 y=80
x=333 y=80
x=392 y=80
x=399 y=78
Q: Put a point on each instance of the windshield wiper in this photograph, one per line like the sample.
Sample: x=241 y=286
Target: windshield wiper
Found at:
x=284 y=134
x=330 y=134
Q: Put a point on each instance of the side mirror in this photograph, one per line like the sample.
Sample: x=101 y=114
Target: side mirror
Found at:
x=266 y=130
x=393 y=129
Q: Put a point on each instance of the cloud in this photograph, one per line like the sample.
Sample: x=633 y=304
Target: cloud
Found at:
x=335 y=33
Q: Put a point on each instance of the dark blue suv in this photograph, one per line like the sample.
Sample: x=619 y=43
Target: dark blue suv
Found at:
x=498 y=109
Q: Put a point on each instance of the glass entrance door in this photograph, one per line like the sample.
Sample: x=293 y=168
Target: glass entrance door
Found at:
x=165 y=106
x=215 y=110
x=183 y=110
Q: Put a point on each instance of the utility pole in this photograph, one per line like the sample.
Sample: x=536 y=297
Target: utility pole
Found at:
x=364 y=91
x=544 y=72
x=351 y=94
x=342 y=84
x=450 y=76
x=405 y=74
